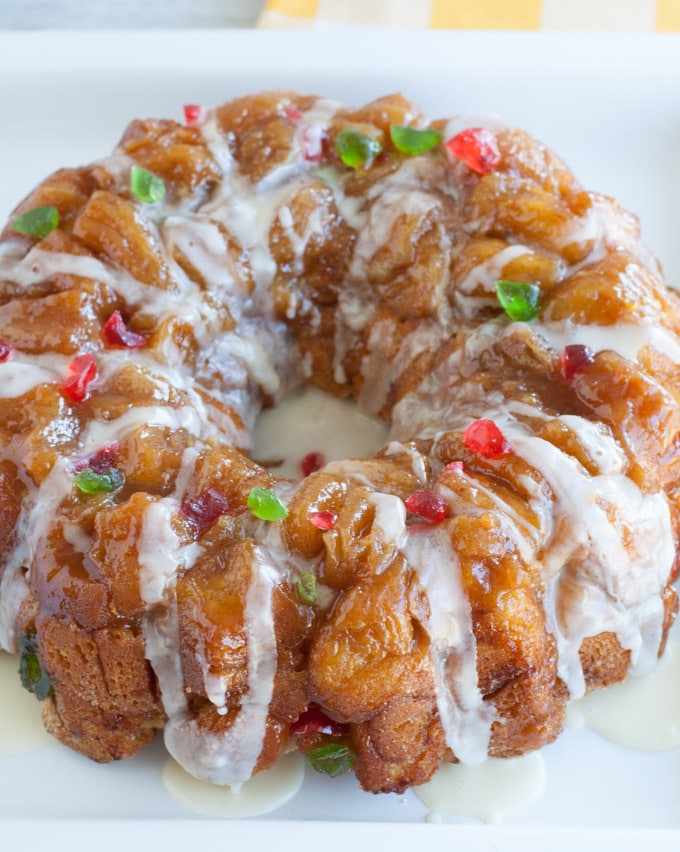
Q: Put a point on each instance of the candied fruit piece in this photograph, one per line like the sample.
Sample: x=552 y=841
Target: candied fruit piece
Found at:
x=477 y=148
x=33 y=677
x=305 y=587
x=265 y=505
x=205 y=509
x=428 y=505
x=83 y=369
x=103 y=459
x=574 y=358
x=332 y=759
x=315 y=721
x=356 y=149
x=521 y=302
x=484 y=437
x=90 y=482
x=116 y=333
x=312 y=462
x=413 y=140
x=292 y=113
x=38 y=222
x=146 y=186
x=323 y=520
x=194 y=114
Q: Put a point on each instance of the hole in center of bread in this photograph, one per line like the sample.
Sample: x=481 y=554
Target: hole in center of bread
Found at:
x=310 y=420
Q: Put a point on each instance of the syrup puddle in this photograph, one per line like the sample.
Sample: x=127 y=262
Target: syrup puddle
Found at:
x=490 y=792
x=310 y=420
x=265 y=792
x=21 y=729
x=641 y=712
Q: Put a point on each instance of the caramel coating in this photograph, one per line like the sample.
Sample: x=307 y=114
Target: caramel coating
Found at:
x=150 y=606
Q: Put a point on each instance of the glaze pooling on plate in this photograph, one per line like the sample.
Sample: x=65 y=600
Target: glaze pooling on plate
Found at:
x=641 y=713
x=268 y=264
x=491 y=792
x=260 y=795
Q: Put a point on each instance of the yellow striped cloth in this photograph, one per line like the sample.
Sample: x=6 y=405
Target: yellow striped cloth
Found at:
x=578 y=15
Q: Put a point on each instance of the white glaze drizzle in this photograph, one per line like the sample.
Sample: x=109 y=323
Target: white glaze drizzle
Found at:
x=159 y=552
x=37 y=514
x=18 y=377
x=466 y=718
x=230 y=757
x=627 y=339
x=259 y=355
x=486 y=273
x=617 y=587
x=600 y=583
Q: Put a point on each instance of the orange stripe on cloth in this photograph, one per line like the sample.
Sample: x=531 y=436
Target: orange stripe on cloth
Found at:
x=486 y=14
x=572 y=15
x=668 y=16
x=294 y=8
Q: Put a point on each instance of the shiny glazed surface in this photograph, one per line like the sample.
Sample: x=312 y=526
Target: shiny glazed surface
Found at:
x=270 y=263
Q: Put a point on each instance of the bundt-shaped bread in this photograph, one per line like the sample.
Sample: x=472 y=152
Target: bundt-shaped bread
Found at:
x=510 y=547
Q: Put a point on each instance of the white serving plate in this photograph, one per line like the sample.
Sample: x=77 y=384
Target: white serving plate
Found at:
x=611 y=107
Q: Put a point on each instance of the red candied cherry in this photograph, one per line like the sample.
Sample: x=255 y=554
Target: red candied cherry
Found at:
x=194 y=114
x=101 y=460
x=323 y=520
x=83 y=370
x=484 y=437
x=292 y=113
x=477 y=148
x=5 y=352
x=205 y=509
x=312 y=462
x=116 y=333
x=315 y=721
x=428 y=505
x=574 y=358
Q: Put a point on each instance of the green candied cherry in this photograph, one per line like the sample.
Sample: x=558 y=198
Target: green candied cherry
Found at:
x=33 y=678
x=332 y=759
x=265 y=505
x=356 y=149
x=38 y=222
x=305 y=586
x=411 y=140
x=89 y=481
x=521 y=302
x=146 y=186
